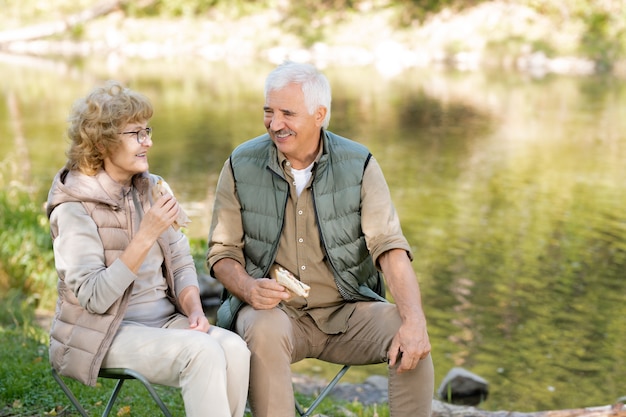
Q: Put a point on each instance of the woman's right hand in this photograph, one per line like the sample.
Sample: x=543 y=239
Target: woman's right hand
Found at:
x=155 y=221
x=161 y=215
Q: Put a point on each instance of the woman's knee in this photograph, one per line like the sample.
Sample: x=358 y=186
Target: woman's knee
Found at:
x=231 y=343
x=202 y=347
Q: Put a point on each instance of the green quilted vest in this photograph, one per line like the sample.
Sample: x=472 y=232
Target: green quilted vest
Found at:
x=263 y=191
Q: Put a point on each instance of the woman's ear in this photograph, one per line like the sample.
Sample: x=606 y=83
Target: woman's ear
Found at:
x=101 y=149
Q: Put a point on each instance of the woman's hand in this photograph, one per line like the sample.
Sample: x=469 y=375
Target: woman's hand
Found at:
x=199 y=322
x=191 y=305
x=156 y=220
x=161 y=215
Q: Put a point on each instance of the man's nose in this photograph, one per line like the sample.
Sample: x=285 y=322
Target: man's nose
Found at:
x=277 y=122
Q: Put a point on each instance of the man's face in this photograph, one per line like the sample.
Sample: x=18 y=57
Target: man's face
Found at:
x=295 y=132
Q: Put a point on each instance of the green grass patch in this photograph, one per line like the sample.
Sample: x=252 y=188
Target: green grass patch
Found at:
x=28 y=389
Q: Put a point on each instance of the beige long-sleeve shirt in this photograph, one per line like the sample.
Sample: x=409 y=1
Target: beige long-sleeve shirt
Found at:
x=300 y=249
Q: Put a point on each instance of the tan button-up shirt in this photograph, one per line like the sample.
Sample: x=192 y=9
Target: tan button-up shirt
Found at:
x=300 y=250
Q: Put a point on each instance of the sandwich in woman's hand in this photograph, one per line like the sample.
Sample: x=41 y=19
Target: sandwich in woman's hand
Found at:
x=289 y=281
x=161 y=188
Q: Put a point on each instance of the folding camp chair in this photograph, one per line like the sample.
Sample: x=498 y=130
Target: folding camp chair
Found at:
x=121 y=374
x=322 y=394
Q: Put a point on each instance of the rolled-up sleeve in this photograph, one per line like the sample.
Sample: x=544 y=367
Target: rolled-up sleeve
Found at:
x=79 y=260
x=379 y=219
x=226 y=232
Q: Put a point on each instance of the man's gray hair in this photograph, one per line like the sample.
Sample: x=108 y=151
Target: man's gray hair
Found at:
x=314 y=84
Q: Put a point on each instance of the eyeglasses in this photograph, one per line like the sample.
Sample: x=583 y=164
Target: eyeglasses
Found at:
x=142 y=135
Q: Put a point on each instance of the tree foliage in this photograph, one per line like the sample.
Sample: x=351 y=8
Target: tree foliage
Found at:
x=598 y=29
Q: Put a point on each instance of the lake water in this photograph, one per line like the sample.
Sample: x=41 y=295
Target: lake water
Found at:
x=511 y=191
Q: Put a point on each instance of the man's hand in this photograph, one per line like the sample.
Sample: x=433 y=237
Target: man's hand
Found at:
x=409 y=346
x=264 y=293
x=261 y=293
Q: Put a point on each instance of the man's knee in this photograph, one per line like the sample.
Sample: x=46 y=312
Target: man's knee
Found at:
x=263 y=327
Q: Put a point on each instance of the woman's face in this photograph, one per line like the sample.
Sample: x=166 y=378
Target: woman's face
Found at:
x=131 y=156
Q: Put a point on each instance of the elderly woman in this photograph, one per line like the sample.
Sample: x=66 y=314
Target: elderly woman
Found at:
x=128 y=289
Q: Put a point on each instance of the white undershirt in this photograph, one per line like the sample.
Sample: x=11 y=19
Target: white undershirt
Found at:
x=301 y=177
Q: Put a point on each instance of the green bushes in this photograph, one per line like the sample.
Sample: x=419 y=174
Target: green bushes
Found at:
x=27 y=273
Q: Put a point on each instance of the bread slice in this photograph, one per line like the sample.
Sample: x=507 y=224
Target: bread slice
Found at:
x=289 y=281
x=161 y=188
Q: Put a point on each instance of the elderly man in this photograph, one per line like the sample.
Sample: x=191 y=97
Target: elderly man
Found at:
x=307 y=200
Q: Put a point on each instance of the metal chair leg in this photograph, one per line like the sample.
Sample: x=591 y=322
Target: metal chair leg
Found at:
x=121 y=374
x=125 y=373
x=69 y=394
x=113 y=397
x=322 y=394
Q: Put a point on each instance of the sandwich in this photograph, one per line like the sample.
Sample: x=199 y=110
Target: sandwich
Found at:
x=161 y=188
x=289 y=281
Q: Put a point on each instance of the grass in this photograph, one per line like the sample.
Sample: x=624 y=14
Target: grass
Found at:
x=28 y=389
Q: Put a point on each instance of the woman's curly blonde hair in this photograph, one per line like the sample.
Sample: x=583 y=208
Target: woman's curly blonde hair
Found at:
x=96 y=121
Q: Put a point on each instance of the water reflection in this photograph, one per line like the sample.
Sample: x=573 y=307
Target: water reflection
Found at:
x=510 y=189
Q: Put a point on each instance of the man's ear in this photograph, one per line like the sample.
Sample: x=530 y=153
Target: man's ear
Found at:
x=320 y=115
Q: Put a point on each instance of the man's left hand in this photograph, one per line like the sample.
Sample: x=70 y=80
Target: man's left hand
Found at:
x=410 y=345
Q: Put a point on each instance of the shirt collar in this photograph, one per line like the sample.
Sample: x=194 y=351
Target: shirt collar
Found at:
x=282 y=159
